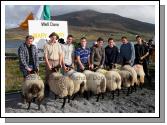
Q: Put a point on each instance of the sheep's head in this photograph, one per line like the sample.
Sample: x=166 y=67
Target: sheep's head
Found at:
x=56 y=68
x=34 y=89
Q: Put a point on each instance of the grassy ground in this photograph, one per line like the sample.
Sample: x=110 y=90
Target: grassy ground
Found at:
x=14 y=78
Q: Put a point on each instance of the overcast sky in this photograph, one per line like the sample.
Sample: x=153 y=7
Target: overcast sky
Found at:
x=14 y=14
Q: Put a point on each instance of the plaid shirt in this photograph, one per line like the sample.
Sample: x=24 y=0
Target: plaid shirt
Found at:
x=24 y=56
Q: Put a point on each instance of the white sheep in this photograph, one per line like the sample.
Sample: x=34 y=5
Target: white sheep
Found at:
x=96 y=83
x=113 y=80
x=140 y=74
x=126 y=78
x=132 y=70
x=61 y=86
x=33 y=87
x=79 y=80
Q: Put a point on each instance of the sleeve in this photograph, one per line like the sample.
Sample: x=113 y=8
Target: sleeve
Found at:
x=116 y=55
x=22 y=57
x=45 y=49
x=103 y=57
x=73 y=51
x=77 y=53
x=131 y=51
x=133 y=54
x=106 y=59
x=60 y=49
x=92 y=55
x=36 y=57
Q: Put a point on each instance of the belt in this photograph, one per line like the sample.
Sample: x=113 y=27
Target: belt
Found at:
x=53 y=60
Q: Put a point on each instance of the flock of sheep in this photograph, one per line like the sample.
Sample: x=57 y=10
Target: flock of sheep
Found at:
x=74 y=83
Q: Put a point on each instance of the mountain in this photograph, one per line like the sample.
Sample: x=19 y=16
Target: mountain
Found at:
x=109 y=22
x=94 y=24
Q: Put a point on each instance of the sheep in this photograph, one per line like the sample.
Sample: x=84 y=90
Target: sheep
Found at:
x=113 y=80
x=132 y=70
x=126 y=78
x=33 y=87
x=140 y=74
x=96 y=83
x=61 y=86
x=79 y=80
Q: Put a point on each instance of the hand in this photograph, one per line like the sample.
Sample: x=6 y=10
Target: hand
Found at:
x=82 y=67
x=50 y=68
x=37 y=69
x=65 y=68
x=72 y=66
x=91 y=66
x=101 y=66
x=29 y=69
x=141 y=58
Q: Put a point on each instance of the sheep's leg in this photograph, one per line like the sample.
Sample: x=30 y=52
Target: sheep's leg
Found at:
x=141 y=87
x=29 y=103
x=39 y=102
x=68 y=98
x=118 y=92
x=56 y=96
x=131 y=89
x=87 y=95
x=102 y=95
x=135 y=87
x=64 y=102
x=128 y=91
x=74 y=96
x=98 y=95
x=113 y=92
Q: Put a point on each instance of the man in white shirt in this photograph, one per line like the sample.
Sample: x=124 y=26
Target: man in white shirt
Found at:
x=68 y=53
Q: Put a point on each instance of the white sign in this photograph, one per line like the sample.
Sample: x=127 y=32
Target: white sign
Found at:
x=41 y=29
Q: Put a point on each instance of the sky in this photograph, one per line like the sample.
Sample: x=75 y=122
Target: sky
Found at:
x=15 y=14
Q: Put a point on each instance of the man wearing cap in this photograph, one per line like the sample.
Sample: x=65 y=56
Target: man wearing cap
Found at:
x=52 y=56
x=28 y=56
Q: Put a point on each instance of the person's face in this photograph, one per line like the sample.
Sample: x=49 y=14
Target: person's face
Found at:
x=69 y=40
x=83 y=42
x=124 y=40
x=111 y=43
x=53 y=39
x=139 y=40
x=100 y=43
x=29 y=41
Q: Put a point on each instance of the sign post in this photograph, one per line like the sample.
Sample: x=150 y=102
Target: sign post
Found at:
x=41 y=29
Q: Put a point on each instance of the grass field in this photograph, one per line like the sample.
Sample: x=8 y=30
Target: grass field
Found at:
x=90 y=33
x=14 y=78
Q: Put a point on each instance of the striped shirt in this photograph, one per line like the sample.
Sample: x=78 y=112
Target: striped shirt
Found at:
x=83 y=54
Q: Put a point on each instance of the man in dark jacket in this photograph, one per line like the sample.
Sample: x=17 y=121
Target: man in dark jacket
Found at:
x=28 y=56
x=111 y=53
x=141 y=53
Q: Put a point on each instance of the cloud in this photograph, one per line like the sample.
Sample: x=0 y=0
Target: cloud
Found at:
x=14 y=14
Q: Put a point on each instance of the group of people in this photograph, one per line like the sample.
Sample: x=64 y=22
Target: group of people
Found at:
x=83 y=57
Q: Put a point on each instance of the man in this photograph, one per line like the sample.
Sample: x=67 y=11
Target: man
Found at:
x=28 y=56
x=98 y=55
x=52 y=56
x=111 y=53
x=141 y=53
x=68 y=53
x=126 y=51
x=82 y=55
